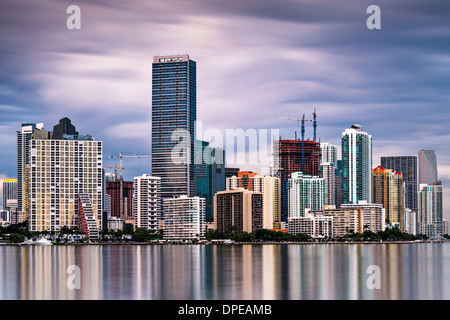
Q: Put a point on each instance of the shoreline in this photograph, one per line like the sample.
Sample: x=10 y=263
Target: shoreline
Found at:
x=231 y=244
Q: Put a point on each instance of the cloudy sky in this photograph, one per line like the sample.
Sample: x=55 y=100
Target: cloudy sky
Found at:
x=256 y=59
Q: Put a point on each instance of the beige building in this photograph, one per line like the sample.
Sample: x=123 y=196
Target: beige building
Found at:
x=355 y=217
x=373 y=215
x=270 y=187
x=387 y=190
x=61 y=168
x=238 y=209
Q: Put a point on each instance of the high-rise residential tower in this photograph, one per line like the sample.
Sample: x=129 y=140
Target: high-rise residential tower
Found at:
x=239 y=208
x=328 y=153
x=328 y=173
x=269 y=186
x=407 y=165
x=184 y=217
x=427 y=167
x=174 y=113
x=60 y=170
x=305 y=192
x=429 y=215
x=356 y=165
x=23 y=156
x=147 y=202
x=387 y=189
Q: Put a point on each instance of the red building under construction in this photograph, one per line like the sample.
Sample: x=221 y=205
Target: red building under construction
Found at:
x=289 y=157
x=294 y=156
x=121 y=207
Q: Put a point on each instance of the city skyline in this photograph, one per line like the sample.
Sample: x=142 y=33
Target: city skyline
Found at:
x=316 y=56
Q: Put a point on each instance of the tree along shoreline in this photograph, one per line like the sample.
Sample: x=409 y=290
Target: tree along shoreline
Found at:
x=18 y=233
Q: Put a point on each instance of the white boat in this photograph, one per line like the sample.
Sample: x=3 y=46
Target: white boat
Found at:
x=27 y=242
x=43 y=242
x=39 y=242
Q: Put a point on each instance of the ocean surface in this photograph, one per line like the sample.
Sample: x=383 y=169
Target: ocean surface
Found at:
x=226 y=272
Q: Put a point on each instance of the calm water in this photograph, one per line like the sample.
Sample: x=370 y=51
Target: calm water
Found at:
x=239 y=272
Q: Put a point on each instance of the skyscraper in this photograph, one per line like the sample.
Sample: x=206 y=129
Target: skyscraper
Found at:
x=429 y=215
x=147 y=202
x=328 y=172
x=173 y=123
x=121 y=194
x=60 y=170
x=209 y=173
x=328 y=153
x=9 y=193
x=23 y=156
x=184 y=217
x=356 y=165
x=269 y=186
x=239 y=208
x=427 y=167
x=387 y=189
x=407 y=165
x=305 y=192
x=294 y=156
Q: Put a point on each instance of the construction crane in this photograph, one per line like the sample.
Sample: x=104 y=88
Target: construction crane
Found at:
x=314 y=121
x=120 y=156
x=115 y=169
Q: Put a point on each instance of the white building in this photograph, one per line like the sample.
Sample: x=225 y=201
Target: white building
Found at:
x=60 y=170
x=316 y=226
x=328 y=172
x=305 y=192
x=429 y=216
x=184 y=218
x=88 y=221
x=270 y=187
x=147 y=202
x=115 y=223
x=410 y=221
x=328 y=153
x=356 y=165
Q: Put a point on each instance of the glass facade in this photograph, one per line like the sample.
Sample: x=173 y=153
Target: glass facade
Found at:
x=356 y=165
x=430 y=210
x=427 y=167
x=173 y=124
x=407 y=165
x=209 y=173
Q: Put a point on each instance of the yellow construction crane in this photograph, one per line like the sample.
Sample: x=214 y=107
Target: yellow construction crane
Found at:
x=120 y=155
x=115 y=169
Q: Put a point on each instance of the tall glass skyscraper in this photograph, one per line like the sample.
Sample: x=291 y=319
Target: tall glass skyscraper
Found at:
x=209 y=173
x=427 y=167
x=356 y=165
x=429 y=216
x=174 y=113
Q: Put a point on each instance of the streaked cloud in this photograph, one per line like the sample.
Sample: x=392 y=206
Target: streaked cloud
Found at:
x=255 y=60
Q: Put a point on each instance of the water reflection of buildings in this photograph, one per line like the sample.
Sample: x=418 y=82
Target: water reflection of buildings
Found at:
x=40 y=272
x=221 y=272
